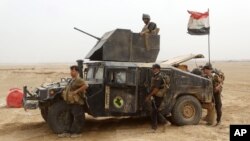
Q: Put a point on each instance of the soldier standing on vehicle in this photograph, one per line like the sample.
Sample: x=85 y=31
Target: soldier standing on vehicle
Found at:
x=73 y=95
x=158 y=89
x=217 y=88
x=150 y=28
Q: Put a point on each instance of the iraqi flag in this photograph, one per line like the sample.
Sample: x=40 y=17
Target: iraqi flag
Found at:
x=198 y=23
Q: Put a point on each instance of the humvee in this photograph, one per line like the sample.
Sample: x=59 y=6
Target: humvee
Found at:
x=119 y=74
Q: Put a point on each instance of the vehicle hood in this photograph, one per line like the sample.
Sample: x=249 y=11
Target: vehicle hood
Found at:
x=180 y=59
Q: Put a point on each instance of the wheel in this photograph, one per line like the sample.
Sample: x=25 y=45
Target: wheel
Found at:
x=186 y=111
x=44 y=108
x=44 y=113
x=59 y=118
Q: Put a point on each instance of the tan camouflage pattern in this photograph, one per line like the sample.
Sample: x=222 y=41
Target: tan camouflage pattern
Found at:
x=74 y=98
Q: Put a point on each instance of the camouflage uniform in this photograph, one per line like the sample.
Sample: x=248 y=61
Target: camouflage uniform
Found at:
x=75 y=103
x=68 y=94
x=217 y=82
x=157 y=81
x=210 y=109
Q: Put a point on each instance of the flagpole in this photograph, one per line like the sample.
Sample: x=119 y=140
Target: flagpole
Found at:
x=209 y=38
x=209 y=48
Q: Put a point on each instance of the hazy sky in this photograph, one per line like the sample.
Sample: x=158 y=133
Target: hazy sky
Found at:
x=39 y=31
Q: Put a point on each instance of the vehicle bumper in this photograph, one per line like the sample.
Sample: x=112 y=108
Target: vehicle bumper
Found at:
x=30 y=100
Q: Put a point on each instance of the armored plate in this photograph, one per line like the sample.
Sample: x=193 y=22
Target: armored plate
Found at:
x=125 y=46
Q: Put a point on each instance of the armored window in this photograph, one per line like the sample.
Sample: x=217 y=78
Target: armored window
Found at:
x=99 y=73
x=117 y=76
x=120 y=77
x=90 y=74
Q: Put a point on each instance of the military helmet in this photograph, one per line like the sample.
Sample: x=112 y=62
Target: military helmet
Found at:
x=196 y=71
x=145 y=16
x=208 y=66
x=157 y=66
x=152 y=26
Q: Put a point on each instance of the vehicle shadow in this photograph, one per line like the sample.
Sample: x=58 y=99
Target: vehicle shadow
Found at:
x=91 y=125
x=112 y=124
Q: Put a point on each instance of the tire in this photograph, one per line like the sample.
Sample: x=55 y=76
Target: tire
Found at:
x=59 y=118
x=186 y=111
x=44 y=113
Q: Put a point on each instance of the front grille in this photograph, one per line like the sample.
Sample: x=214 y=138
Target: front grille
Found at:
x=43 y=94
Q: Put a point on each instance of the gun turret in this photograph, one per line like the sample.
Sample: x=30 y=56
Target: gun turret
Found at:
x=122 y=45
x=88 y=34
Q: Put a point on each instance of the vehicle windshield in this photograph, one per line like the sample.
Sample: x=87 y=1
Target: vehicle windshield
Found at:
x=90 y=73
x=118 y=77
x=99 y=73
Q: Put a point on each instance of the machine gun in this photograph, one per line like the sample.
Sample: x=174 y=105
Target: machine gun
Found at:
x=97 y=38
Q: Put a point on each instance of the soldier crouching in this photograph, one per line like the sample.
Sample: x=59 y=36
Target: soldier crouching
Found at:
x=73 y=95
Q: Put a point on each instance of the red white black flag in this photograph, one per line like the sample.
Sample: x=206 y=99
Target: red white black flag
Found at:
x=198 y=23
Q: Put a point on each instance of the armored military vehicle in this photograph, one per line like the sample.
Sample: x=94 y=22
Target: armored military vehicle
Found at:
x=118 y=73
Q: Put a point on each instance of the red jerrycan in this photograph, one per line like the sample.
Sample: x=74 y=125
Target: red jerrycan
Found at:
x=15 y=98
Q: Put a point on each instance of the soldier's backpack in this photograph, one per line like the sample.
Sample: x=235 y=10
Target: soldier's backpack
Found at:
x=166 y=80
x=166 y=84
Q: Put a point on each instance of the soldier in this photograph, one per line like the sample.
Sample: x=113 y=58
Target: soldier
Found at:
x=73 y=95
x=158 y=89
x=207 y=73
x=218 y=78
x=217 y=88
x=149 y=27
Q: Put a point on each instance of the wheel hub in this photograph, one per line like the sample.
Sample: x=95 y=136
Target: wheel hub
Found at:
x=188 y=110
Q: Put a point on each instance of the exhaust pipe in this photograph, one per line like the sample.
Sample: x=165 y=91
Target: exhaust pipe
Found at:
x=80 y=66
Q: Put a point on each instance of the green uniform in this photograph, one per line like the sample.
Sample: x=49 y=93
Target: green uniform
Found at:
x=68 y=94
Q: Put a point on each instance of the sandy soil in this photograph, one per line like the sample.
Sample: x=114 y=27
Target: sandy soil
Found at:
x=18 y=125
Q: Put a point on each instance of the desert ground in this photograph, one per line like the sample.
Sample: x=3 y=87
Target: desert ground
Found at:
x=19 y=125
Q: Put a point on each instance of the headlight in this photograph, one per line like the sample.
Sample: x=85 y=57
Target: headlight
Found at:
x=51 y=92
